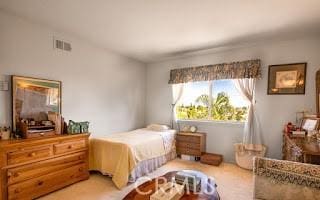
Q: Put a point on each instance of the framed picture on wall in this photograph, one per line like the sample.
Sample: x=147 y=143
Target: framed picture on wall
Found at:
x=287 y=78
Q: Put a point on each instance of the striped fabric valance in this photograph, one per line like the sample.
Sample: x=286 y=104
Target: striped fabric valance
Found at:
x=234 y=70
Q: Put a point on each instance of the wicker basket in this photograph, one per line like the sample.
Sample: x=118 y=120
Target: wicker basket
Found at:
x=245 y=153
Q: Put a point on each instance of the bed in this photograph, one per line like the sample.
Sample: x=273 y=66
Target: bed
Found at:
x=129 y=155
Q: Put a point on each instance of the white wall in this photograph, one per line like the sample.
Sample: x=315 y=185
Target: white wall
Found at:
x=274 y=110
x=97 y=85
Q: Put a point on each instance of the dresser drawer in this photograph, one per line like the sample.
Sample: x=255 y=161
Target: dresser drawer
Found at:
x=39 y=186
x=188 y=145
x=189 y=139
x=69 y=146
x=188 y=151
x=30 y=171
x=29 y=154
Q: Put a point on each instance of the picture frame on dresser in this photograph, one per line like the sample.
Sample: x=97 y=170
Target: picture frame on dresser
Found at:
x=310 y=123
x=32 y=100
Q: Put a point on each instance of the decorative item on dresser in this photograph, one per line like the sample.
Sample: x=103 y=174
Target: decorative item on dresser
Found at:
x=5 y=133
x=193 y=144
x=30 y=168
x=77 y=127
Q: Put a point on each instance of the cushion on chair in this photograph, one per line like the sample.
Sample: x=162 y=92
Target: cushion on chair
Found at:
x=279 y=179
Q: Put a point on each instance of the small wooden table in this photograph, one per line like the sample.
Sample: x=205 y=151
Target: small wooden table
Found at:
x=208 y=188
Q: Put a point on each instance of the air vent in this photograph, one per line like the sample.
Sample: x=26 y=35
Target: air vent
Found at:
x=61 y=45
x=67 y=46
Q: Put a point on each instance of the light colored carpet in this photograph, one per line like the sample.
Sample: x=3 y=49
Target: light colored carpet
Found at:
x=233 y=183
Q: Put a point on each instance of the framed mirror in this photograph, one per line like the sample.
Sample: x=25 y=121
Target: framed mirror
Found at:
x=33 y=98
x=318 y=92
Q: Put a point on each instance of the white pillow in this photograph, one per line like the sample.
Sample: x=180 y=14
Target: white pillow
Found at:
x=158 y=127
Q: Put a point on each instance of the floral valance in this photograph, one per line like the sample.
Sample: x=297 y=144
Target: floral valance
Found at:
x=233 y=70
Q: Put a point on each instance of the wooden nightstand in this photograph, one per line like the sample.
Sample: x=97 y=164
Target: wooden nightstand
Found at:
x=192 y=144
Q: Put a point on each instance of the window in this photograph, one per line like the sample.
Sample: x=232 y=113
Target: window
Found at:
x=192 y=104
x=217 y=100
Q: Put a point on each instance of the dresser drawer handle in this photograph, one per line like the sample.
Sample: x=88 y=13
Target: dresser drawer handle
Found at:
x=33 y=154
x=81 y=169
x=70 y=147
x=17 y=190
x=10 y=174
x=40 y=183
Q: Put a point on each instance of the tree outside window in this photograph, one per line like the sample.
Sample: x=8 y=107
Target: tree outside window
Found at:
x=214 y=101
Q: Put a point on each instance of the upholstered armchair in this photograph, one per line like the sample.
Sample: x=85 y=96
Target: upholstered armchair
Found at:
x=285 y=180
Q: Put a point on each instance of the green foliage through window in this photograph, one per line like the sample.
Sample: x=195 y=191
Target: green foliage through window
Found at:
x=218 y=108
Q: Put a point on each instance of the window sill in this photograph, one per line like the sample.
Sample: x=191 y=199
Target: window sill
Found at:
x=211 y=122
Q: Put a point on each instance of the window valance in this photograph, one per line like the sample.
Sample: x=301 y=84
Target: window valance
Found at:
x=233 y=70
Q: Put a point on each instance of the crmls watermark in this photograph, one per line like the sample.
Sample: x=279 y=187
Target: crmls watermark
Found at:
x=208 y=186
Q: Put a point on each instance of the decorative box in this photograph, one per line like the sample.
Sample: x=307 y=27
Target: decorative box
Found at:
x=74 y=127
x=168 y=191
x=211 y=159
x=190 y=180
x=299 y=133
x=84 y=127
x=78 y=127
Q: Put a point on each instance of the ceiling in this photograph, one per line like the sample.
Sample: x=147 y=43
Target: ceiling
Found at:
x=149 y=30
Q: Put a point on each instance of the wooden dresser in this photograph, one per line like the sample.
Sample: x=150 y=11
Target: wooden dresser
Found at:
x=300 y=149
x=193 y=144
x=31 y=168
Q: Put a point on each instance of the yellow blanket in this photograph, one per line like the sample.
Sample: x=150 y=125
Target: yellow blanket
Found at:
x=118 y=154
